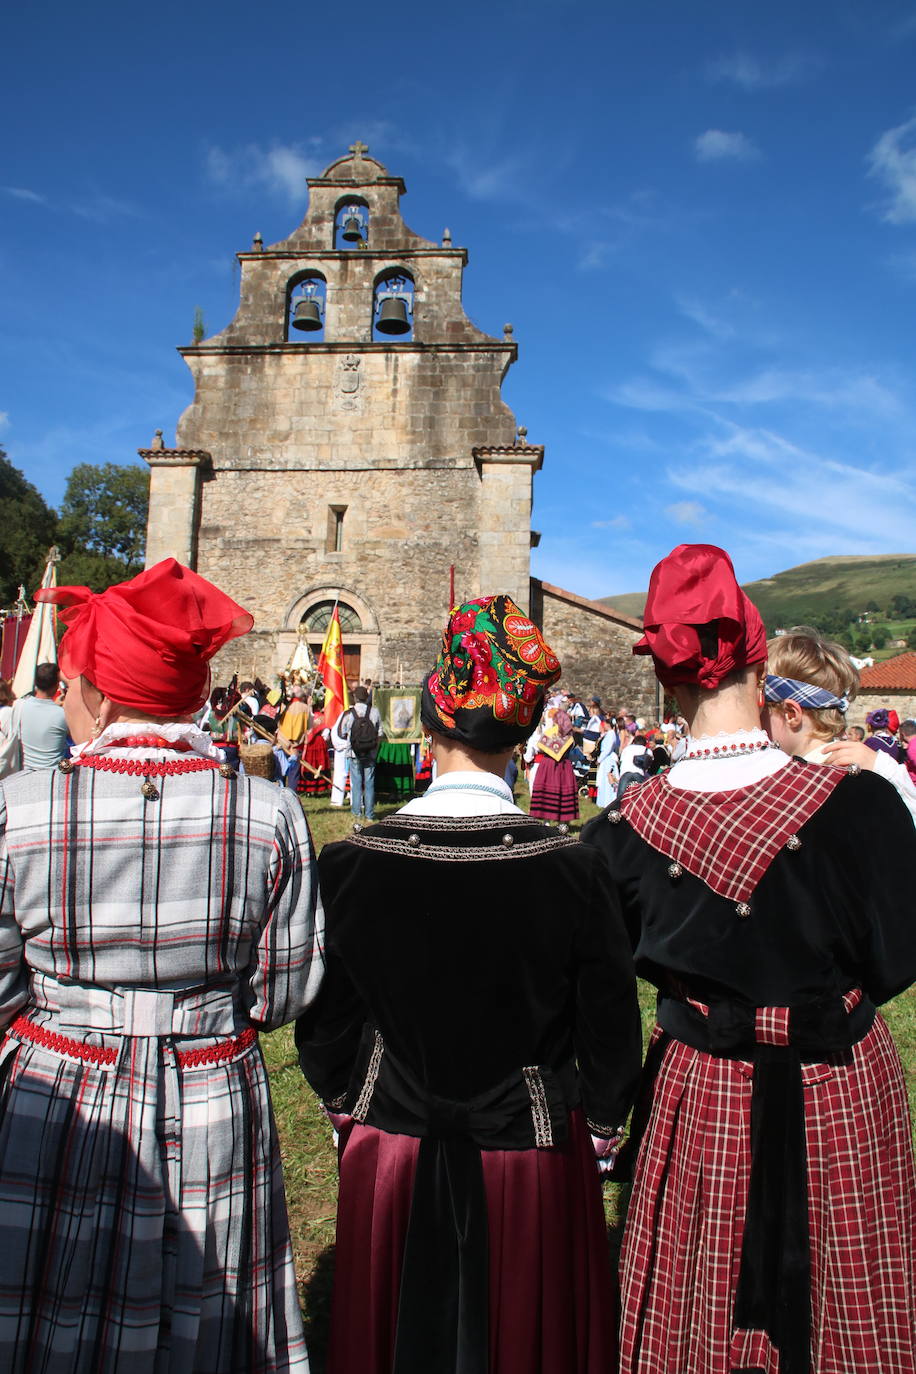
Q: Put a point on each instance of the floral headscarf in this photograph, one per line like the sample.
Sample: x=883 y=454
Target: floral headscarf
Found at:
x=488 y=686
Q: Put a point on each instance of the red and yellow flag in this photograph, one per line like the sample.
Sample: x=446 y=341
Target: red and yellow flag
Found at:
x=330 y=670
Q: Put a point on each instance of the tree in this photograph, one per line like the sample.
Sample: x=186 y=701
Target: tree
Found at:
x=880 y=635
x=911 y=639
x=102 y=529
x=27 y=531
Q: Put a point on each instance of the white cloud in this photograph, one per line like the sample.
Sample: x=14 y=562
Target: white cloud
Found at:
x=619 y=522
x=687 y=513
x=753 y=74
x=4 y=420
x=716 y=145
x=280 y=170
x=480 y=180
x=893 y=161
x=841 y=503
x=23 y=193
x=709 y=320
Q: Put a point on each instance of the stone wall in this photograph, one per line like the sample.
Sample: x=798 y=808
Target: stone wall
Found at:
x=903 y=702
x=594 y=645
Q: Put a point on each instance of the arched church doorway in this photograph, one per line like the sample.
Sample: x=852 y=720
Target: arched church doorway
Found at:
x=315 y=623
x=308 y=617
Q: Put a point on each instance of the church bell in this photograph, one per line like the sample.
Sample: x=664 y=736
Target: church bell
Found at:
x=307 y=314
x=392 y=317
x=352 y=230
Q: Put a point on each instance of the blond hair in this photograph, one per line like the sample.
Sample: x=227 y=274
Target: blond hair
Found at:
x=802 y=653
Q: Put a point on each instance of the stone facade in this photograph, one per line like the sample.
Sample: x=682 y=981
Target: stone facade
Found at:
x=594 y=644
x=341 y=463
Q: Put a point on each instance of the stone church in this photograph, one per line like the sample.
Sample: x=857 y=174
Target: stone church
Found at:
x=348 y=442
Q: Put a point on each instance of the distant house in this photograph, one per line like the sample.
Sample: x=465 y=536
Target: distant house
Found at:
x=891 y=684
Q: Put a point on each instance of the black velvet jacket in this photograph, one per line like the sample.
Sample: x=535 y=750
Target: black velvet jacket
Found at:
x=474 y=946
x=836 y=913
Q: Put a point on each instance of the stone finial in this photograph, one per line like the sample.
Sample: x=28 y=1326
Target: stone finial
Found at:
x=508 y=330
x=446 y=238
x=358 y=148
x=257 y=243
x=522 y=435
x=157 y=440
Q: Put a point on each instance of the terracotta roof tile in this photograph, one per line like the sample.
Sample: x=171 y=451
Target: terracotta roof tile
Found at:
x=899 y=673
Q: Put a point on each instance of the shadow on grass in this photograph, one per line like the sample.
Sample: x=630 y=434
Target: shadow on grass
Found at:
x=316 y=1310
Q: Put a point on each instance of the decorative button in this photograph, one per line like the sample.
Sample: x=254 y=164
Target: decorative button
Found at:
x=66 y=765
x=508 y=840
x=615 y=817
x=853 y=769
x=793 y=842
x=675 y=870
x=226 y=770
x=743 y=910
x=150 y=790
x=357 y=828
x=563 y=828
x=413 y=840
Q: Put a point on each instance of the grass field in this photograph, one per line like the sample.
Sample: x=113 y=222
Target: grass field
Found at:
x=308 y=1155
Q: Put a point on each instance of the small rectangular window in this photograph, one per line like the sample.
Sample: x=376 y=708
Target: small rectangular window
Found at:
x=335 y=529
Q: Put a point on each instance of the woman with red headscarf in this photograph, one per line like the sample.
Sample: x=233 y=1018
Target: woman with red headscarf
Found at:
x=156 y=912
x=772 y=1224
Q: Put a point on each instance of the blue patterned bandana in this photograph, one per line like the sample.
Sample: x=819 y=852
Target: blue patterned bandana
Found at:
x=808 y=696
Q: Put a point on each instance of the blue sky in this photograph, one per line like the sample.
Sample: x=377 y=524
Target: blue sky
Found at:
x=700 y=219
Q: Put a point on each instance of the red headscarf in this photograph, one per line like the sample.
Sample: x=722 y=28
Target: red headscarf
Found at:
x=146 y=643
x=692 y=590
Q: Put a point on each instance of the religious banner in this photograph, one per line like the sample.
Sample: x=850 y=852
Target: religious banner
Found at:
x=330 y=670
x=399 y=708
x=15 y=629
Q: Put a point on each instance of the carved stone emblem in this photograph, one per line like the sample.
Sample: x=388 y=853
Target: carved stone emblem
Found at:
x=347 y=384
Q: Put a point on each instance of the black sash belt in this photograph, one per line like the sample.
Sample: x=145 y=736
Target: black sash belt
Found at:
x=444 y=1300
x=774 y=1281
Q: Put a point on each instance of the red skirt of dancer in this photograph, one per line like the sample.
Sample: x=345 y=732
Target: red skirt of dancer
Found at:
x=552 y=1301
x=555 y=792
x=682 y=1245
x=315 y=756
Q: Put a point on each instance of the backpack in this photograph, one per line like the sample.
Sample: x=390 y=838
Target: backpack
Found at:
x=363 y=735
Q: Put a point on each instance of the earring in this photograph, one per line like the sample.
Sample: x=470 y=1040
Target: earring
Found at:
x=761 y=698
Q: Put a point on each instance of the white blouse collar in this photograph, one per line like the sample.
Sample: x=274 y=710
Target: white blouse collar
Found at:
x=173 y=731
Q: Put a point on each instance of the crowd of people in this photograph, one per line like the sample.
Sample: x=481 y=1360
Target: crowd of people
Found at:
x=462 y=979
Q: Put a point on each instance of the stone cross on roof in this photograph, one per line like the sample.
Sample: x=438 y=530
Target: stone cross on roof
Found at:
x=357 y=148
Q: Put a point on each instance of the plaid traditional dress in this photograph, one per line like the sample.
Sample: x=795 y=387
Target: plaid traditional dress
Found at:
x=142 y=944
x=771 y=917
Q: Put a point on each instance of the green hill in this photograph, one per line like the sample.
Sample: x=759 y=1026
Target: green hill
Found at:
x=848 y=582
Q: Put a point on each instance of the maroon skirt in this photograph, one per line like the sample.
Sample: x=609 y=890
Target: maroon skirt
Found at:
x=682 y=1245
x=555 y=792
x=552 y=1297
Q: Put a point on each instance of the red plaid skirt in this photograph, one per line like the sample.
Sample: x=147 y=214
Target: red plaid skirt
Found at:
x=682 y=1246
x=552 y=1299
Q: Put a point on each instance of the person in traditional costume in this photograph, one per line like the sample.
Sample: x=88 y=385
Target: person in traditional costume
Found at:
x=555 y=791
x=315 y=763
x=772 y=1224
x=479 y=1036
x=156 y=912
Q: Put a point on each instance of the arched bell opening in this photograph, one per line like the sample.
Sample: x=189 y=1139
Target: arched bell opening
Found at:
x=392 y=306
x=351 y=223
x=306 y=308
